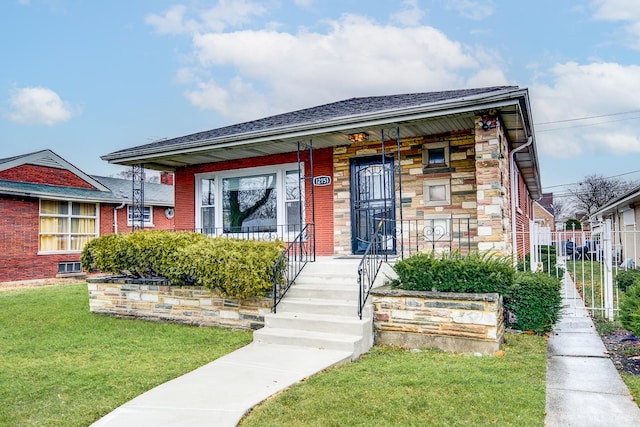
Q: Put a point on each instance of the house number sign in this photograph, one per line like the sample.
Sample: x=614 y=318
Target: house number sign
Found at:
x=320 y=181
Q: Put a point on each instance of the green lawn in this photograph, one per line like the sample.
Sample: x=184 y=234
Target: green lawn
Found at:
x=394 y=387
x=63 y=366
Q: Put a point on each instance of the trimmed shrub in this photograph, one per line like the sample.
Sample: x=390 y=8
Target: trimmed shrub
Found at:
x=239 y=268
x=625 y=278
x=533 y=299
x=630 y=309
x=454 y=273
x=535 y=302
x=106 y=253
x=242 y=268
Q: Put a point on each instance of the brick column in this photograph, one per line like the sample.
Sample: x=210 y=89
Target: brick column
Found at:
x=492 y=175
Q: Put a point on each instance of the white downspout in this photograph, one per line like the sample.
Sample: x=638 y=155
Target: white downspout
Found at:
x=514 y=232
x=115 y=217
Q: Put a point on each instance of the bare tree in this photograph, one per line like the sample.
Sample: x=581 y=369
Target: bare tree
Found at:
x=595 y=191
x=149 y=176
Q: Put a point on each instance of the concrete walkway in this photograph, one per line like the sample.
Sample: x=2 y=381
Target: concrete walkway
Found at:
x=221 y=392
x=583 y=386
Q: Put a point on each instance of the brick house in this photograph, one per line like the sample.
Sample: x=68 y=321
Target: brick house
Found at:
x=49 y=209
x=440 y=170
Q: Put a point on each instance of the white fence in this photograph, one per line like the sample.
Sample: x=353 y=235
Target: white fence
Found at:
x=592 y=258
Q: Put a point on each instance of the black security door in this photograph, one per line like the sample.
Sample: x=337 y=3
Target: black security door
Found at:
x=372 y=200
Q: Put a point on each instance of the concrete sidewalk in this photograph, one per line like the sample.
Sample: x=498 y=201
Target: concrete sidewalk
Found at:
x=583 y=386
x=221 y=392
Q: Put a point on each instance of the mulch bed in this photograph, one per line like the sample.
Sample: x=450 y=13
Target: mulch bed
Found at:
x=624 y=350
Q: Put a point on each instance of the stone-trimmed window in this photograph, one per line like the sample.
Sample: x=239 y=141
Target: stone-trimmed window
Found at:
x=437 y=192
x=437 y=228
x=435 y=156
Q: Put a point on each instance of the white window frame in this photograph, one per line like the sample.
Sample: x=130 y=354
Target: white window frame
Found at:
x=428 y=183
x=280 y=171
x=68 y=216
x=148 y=223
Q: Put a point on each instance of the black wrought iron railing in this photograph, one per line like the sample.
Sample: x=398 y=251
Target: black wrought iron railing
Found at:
x=370 y=265
x=429 y=235
x=299 y=252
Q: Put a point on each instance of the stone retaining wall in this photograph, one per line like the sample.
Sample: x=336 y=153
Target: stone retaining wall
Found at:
x=451 y=321
x=155 y=300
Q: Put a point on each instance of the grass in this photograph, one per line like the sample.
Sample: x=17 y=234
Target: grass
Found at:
x=589 y=281
x=62 y=365
x=633 y=384
x=395 y=387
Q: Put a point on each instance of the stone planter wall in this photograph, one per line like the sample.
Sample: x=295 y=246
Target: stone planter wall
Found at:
x=155 y=300
x=451 y=321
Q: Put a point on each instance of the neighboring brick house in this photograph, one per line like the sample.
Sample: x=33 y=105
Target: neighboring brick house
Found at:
x=49 y=209
x=543 y=217
x=439 y=168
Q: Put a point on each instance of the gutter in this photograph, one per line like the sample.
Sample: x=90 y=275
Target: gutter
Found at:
x=514 y=190
x=115 y=216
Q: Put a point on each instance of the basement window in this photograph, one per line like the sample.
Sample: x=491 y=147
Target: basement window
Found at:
x=69 y=267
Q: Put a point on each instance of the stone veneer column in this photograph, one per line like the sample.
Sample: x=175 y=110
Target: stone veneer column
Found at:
x=492 y=175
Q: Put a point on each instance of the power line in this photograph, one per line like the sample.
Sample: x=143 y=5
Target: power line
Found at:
x=605 y=177
x=588 y=117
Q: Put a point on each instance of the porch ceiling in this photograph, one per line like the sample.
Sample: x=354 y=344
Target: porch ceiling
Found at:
x=277 y=145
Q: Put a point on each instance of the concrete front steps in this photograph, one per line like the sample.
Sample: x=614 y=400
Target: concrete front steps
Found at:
x=320 y=311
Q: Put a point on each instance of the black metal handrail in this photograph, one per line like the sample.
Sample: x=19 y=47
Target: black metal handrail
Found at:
x=285 y=271
x=369 y=267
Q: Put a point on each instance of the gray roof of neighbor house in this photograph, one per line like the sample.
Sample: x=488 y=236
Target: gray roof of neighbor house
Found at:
x=626 y=200
x=330 y=124
x=106 y=189
x=154 y=193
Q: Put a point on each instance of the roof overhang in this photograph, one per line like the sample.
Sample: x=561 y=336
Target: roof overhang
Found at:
x=434 y=118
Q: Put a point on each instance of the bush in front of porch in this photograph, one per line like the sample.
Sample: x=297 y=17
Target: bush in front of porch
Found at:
x=237 y=268
x=533 y=299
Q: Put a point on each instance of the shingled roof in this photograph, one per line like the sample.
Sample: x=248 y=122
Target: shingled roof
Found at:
x=342 y=109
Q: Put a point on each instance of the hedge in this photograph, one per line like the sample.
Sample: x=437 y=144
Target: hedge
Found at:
x=239 y=268
x=473 y=273
x=630 y=309
x=532 y=299
x=535 y=301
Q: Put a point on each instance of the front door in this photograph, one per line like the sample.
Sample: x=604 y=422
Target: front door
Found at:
x=372 y=200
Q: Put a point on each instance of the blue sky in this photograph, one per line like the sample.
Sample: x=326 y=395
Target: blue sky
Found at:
x=86 y=78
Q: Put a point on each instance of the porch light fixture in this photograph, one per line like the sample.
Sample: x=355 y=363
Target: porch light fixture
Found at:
x=488 y=122
x=358 y=137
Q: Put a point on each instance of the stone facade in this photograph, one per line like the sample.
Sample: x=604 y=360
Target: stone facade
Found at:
x=450 y=321
x=155 y=300
x=459 y=173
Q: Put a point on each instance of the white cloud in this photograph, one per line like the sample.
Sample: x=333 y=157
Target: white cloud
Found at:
x=39 y=106
x=226 y=13
x=472 y=9
x=583 y=91
x=355 y=56
x=625 y=11
x=410 y=15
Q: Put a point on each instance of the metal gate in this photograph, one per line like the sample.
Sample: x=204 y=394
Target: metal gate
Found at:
x=590 y=259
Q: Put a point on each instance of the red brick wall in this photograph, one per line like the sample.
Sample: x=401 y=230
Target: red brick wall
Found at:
x=44 y=175
x=160 y=220
x=19 y=259
x=322 y=162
